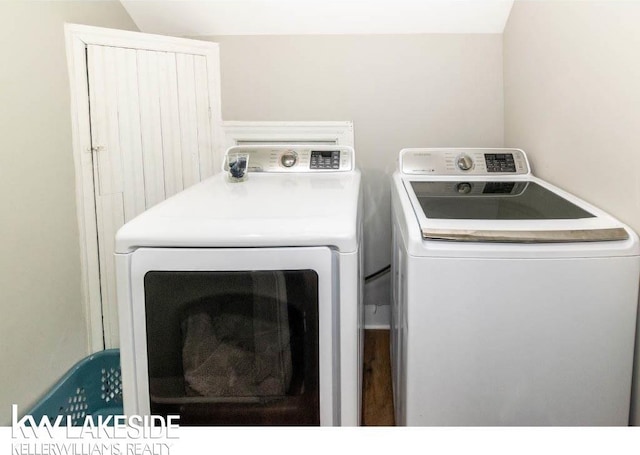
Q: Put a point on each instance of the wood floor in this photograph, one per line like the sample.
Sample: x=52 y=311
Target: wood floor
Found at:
x=377 y=397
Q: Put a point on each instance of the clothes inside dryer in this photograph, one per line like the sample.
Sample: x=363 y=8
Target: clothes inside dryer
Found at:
x=237 y=347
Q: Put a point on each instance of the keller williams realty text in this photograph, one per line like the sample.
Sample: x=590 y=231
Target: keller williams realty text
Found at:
x=100 y=435
x=90 y=448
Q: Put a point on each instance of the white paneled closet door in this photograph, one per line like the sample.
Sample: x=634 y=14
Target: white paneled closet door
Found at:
x=151 y=137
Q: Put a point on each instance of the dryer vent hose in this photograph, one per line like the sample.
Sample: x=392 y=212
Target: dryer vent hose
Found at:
x=378 y=274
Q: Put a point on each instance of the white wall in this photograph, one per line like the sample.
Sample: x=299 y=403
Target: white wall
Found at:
x=318 y=17
x=572 y=98
x=42 y=325
x=399 y=90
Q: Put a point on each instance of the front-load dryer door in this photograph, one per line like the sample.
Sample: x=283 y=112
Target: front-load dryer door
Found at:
x=230 y=336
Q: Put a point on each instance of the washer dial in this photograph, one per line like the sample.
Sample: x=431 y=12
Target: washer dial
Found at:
x=464 y=162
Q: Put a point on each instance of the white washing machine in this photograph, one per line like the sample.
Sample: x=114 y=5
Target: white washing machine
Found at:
x=240 y=302
x=514 y=302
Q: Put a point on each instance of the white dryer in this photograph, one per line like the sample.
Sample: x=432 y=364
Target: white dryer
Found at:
x=514 y=302
x=240 y=302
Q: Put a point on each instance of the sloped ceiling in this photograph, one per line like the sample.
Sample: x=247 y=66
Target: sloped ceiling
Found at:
x=293 y=17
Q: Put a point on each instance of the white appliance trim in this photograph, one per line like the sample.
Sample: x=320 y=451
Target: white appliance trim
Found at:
x=269 y=132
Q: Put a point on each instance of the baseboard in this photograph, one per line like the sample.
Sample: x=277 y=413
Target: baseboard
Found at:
x=376 y=317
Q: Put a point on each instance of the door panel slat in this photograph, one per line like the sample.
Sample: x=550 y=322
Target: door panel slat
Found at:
x=202 y=112
x=110 y=217
x=152 y=153
x=130 y=132
x=170 y=124
x=107 y=154
x=188 y=119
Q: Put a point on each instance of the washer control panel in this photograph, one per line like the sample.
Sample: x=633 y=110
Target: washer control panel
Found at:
x=325 y=159
x=500 y=162
x=471 y=161
x=296 y=158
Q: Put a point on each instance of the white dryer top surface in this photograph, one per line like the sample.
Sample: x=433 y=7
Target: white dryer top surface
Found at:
x=267 y=210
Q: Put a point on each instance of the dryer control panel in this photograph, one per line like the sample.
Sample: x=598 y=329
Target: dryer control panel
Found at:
x=463 y=161
x=295 y=158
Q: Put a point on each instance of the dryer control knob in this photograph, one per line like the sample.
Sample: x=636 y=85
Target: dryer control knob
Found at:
x=464 y=162
x=288 y=159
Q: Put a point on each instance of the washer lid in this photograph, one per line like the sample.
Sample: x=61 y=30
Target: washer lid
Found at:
x=493 y=200
x=520 y=211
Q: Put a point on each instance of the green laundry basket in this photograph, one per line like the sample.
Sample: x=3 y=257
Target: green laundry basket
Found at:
x=92 y=387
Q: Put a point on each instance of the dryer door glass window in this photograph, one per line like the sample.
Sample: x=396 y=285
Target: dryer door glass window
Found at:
x=233 y=348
